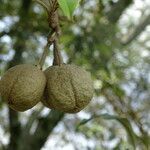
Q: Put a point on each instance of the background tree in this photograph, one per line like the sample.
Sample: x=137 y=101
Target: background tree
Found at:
x=112 y=43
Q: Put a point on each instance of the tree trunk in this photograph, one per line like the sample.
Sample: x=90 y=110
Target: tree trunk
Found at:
x=19 y=46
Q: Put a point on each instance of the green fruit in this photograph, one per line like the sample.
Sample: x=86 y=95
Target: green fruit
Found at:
x=69 y=88
x=22 y=86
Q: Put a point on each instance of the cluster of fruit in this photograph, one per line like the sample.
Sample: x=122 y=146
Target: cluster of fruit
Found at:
x=67 y=88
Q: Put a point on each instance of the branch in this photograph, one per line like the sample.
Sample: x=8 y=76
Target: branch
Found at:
x=29 y=124
x=124 y=109
x=3 y=33
x=117 y=9
x=122 y=120
x=44 y=129
x=138 y=30
x=10 y=33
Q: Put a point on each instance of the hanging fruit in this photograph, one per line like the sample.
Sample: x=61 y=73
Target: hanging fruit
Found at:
x=22 y=86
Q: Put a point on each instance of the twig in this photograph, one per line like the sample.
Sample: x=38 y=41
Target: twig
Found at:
x=57 y=55
x=50 y=41
x=45 y=52
x=43 y=57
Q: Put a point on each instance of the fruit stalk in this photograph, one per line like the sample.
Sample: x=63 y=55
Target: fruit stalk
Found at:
x=53 y=21
x=50 y=41
x=57 y=55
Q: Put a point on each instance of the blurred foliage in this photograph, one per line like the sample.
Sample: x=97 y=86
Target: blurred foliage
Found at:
x=121 y=73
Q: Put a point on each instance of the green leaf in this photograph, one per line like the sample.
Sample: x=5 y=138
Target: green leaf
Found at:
x=68 y=7
x=65 y=8
x=73 y=4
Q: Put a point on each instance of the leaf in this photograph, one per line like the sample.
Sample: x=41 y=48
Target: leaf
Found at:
x=65 y=8
x=73 y=4
x=68 y=7
x=124 y=121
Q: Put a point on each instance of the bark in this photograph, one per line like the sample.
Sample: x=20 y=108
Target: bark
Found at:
x=117 y=9
x=138 y=30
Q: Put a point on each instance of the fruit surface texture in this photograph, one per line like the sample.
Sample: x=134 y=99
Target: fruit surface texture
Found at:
x=69 y=88
x=22 y=86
